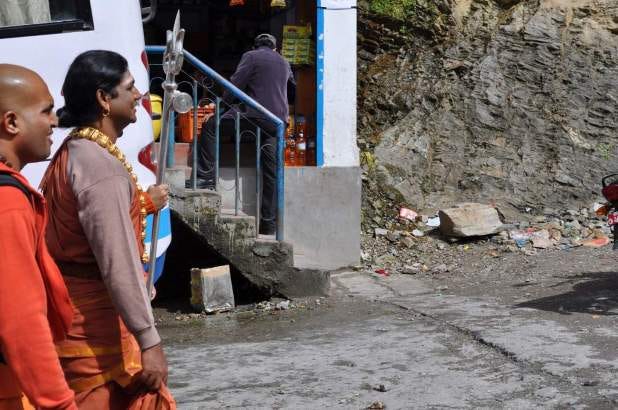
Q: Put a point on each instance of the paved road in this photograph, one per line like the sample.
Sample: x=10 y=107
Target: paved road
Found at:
x=426 y=348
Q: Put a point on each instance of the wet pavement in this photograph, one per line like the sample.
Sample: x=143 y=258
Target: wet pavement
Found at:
x=403 y=343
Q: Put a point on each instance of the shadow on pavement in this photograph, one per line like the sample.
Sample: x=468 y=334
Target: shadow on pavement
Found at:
x=596 y=296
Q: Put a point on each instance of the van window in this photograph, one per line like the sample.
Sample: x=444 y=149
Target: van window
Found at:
x=20 y=18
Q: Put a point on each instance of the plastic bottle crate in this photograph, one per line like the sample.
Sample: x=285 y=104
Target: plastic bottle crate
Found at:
x=185 y=123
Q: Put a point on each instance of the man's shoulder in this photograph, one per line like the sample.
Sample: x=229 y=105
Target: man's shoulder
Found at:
x=15 y=181
x=266 y=53
x=89 y=163
x=87 y=149
x=12 y=199
x=91 y=156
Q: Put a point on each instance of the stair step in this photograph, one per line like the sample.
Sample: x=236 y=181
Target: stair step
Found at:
x=195 y=206
x=239 y=226
x=265 y=248
x=232 y=212
x=265 y=240
x=236 y=218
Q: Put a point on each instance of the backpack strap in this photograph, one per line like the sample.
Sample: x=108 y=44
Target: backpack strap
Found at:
x=9 y=180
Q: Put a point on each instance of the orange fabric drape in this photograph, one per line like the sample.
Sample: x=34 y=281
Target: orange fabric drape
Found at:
x=100 y=357
x=16 y=404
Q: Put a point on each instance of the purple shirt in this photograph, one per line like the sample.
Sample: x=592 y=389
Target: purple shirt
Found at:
x=266 y=77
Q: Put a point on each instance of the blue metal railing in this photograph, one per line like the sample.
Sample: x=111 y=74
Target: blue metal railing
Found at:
x=249 y=102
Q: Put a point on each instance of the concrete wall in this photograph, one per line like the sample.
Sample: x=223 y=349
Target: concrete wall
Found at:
x=338 y=60
x=322 y=216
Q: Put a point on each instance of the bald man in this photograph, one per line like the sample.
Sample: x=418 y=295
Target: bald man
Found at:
x=35 y=309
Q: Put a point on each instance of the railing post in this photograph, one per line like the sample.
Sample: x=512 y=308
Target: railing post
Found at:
x=244 y=98
x=237 y=187
x=258 y=178
x=195 y=138
x=217 y=140
x=280 y=180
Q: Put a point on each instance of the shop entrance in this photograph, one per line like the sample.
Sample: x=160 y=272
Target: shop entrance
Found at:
x=220 y=31
x=320 y=205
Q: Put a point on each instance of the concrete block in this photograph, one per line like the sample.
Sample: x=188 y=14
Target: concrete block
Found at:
x=470 y=219
x=211 y=289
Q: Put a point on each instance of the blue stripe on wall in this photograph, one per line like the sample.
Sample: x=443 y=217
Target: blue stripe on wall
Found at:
x=319 y=138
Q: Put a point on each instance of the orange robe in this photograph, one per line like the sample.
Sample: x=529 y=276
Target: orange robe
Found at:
x=35 y=308
x=100 y=357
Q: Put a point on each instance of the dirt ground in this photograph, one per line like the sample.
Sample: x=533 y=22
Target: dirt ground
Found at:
x=504 y=330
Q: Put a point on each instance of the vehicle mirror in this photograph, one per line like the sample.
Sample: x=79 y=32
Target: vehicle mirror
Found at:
x=149 y=12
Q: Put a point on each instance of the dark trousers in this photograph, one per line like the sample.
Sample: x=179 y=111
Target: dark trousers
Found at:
x=227 y=132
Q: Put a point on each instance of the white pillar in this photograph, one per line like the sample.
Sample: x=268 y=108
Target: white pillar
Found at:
x=338 y=83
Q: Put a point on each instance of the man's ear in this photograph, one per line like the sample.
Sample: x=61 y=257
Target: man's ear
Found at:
x=103 y=99
x=9 y=121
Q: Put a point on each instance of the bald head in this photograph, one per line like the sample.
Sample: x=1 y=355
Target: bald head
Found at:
x=26 y=115
x=17 y=86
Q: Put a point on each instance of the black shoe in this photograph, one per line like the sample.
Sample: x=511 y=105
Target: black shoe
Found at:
x=200 y=183
x=267 y=228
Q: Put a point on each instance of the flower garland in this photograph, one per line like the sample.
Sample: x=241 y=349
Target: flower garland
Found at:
x=94 y=135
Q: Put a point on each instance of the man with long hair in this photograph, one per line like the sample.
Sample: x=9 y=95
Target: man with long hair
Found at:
x=35 y=308
x=112 y=357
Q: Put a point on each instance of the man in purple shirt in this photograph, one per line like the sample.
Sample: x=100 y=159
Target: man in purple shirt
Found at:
x=267 y=78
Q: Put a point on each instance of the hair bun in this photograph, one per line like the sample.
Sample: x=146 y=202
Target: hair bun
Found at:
x=65 y=118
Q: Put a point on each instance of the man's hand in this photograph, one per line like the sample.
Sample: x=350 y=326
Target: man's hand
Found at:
x=159 y=194
x=154 y=368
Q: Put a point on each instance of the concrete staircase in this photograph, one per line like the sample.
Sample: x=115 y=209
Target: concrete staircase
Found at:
x=265 y=262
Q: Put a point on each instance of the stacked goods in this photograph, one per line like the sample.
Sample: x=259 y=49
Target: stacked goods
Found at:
x=299 y=51
x=297 y=31
x=297 y=47
x=301 y=142
x=299 y=146
x=290 y=145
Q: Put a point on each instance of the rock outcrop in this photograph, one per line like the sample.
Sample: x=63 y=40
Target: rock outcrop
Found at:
x=513 y=103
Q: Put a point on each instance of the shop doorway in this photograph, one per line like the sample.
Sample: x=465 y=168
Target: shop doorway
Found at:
x=220 y=31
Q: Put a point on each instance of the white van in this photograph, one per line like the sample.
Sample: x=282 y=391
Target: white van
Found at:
x=47 y=35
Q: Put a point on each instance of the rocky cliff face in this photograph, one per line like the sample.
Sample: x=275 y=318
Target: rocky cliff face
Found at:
x=503 y=101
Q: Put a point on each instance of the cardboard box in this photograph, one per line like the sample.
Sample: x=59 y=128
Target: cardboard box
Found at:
x=290 y=31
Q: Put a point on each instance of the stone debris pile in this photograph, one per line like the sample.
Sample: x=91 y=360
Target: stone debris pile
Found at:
x=435 y=243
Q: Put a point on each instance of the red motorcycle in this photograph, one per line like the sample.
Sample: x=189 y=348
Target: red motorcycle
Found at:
x=610 y=192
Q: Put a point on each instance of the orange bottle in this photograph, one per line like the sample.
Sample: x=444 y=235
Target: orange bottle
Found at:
x=290 y=151
x=301 y=149
x=311 y=159
x=289 y=154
